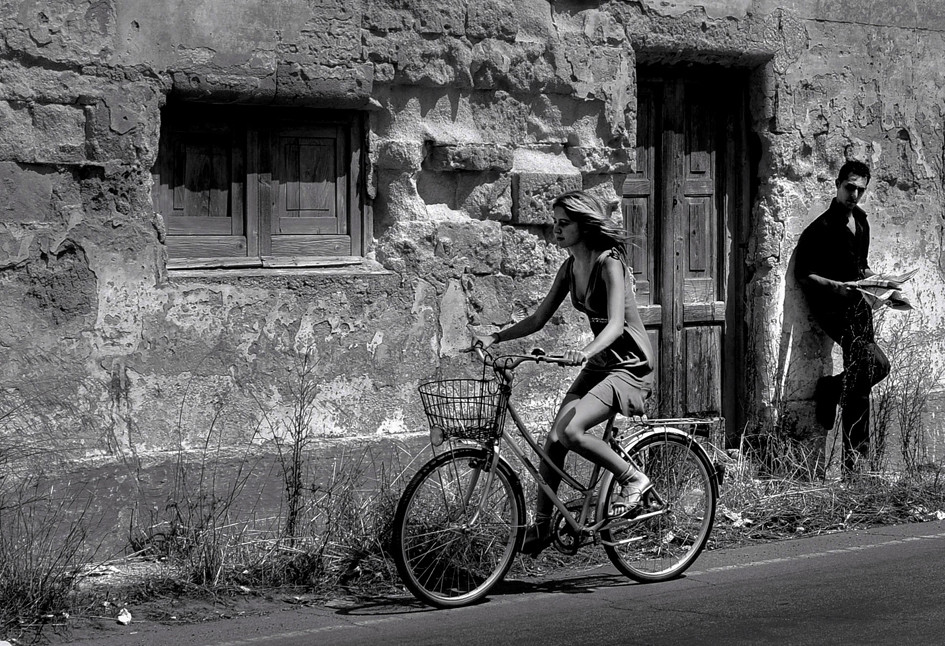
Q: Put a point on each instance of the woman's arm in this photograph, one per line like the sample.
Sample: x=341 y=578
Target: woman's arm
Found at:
x=537 y=319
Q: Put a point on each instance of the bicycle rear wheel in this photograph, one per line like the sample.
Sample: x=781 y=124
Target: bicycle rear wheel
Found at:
x=663 y=545
x=457 y=527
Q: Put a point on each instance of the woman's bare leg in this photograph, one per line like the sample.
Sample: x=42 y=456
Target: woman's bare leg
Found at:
x=575 y=418
x=569 y=432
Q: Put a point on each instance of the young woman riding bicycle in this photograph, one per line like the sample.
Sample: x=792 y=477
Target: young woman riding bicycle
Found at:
x=619 y=361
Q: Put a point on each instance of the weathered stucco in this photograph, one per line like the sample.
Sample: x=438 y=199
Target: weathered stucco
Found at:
x=480 y=112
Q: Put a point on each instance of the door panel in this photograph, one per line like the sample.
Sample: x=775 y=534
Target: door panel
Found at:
x=638 y=201
x=701 y=348
x=703 y=383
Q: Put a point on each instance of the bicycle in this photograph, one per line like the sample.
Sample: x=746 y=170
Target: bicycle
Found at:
x=461 y=519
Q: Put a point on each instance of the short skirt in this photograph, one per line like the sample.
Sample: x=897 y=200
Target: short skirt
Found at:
x=617 y=388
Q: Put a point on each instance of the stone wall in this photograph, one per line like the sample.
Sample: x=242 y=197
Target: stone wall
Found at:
x=479 y=113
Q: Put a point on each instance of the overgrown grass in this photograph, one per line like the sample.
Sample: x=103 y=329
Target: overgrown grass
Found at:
x=228 y=541
x=44 y=547
x=901 y=403
x=764 y=499
x=286 y=514
x=758 y=506
x=220 y=542
x=297 y=519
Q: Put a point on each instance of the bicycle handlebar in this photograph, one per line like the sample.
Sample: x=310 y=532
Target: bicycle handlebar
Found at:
x=512 y=361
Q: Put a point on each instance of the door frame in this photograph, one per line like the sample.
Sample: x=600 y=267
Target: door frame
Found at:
x=733 y=201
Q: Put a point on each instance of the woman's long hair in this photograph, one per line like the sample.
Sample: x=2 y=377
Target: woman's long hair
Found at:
x=593 y=217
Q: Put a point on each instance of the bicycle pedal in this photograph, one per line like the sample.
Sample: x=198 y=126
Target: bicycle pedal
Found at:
x=650 y=501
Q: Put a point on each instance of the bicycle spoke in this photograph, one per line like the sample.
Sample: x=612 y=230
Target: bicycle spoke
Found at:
x=456 y=527
x=661 y=545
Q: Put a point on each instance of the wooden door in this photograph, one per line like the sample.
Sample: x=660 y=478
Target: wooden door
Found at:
x=680 y=206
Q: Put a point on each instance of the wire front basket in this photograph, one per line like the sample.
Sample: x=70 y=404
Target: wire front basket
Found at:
x=467 y=409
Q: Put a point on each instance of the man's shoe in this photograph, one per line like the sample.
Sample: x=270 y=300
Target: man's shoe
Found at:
x=826 y=398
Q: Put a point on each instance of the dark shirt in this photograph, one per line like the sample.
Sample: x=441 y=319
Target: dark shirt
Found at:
x=632 y=350
x=829 y=249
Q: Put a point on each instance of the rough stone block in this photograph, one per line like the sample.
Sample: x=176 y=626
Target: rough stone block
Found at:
x=601 y=27
x=485 y=196
x=204 y=84
x=524 y=255
x=64 y=288
x=533 y=193
x=400 y=155
x=491 y=19
x=313 y=83
x=438 y=192
x=17 y=139
x=331 y=41
x=469 y=157
x=596 y=160
x=122 y=115
x=444 y=17
x=439 y=63
x=25 y=193
x=381 y=16
x=60 y=132
x=491 y=62
x=470 y=247
x=522 y=67
x=14 y=246
x=536 y=19
x=383 y=72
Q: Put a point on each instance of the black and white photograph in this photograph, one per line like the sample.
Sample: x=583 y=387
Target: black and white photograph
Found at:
x=426 y=322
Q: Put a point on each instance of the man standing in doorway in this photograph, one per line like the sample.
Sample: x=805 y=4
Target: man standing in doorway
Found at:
x=831 y=254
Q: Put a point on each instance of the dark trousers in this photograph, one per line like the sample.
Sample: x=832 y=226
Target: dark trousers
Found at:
x=864 y=366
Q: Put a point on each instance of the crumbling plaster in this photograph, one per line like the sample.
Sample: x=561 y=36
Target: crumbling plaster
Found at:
x=479 y=112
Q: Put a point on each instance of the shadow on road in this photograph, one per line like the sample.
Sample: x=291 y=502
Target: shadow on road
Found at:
x=570 y=585
x=513 y=587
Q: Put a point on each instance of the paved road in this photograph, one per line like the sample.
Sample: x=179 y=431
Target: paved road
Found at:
x=880 y=586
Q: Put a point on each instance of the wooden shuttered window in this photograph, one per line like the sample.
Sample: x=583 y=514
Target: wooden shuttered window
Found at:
x=309 y=183
x=256 y=187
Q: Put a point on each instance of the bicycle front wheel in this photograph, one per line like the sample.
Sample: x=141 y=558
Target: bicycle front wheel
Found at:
x=668 y=535
x=457 y=527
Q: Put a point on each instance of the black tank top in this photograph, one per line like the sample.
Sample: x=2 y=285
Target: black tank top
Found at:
x=632 y=350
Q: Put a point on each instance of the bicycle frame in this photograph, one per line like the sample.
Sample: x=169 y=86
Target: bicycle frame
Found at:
x=578 y=524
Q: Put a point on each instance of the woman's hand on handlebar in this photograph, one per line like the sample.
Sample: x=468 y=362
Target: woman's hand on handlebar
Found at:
x=574 y=357
x=484 y=341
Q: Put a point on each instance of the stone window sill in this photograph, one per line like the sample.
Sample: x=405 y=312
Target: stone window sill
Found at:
x=272 y=267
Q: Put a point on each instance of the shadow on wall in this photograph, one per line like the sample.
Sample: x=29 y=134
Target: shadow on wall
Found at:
x=803 y=357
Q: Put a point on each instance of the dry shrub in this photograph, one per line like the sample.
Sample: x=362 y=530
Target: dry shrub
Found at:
x=756 y=506
x=43 y=549
x=901 y=403
x=343 y=530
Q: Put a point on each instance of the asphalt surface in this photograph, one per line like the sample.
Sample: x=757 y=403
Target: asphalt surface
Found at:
x=878 y=586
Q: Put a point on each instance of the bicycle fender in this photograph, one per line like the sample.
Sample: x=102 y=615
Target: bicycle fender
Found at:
x=669 y=430
x=688 y=437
